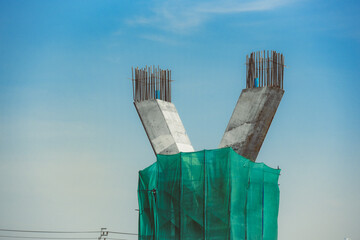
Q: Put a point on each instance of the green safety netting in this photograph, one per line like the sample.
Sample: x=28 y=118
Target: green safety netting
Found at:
x=210 y=194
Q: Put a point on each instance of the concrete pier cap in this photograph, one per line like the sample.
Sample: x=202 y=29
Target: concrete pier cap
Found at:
x=248 y=125
x=257 y=104
x=163 y=127
x=251 y=119
x=158 y=115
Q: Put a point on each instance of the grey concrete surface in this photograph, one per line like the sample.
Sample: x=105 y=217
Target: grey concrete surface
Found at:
x=163 y=127
x=251 y=120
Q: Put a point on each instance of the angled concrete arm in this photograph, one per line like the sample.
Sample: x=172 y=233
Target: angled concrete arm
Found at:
x=251 y=120
x=163 y=126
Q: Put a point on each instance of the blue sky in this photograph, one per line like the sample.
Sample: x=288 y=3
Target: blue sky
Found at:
x=71 y=143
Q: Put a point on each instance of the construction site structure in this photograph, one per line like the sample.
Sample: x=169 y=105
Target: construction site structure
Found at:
x=158 y=115
x=248 y=125
x=257 y=104
x=210 y=194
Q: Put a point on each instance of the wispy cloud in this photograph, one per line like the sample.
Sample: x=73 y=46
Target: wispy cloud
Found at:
x=184 y=16
x=231 y=7
x=160 y=38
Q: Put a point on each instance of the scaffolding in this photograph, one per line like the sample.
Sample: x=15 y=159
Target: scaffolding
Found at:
x=210 y=194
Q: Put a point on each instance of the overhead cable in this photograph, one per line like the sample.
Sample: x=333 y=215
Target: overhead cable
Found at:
x=39 y=231
x=37 y=237
x=64 y=232
x=124 y=233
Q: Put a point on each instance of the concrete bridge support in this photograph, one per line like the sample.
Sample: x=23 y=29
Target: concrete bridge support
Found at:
x=163 y=126
x=251 y=120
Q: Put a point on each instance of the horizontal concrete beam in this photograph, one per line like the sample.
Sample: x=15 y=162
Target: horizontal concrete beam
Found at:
x=163 y=127
x=251 y=120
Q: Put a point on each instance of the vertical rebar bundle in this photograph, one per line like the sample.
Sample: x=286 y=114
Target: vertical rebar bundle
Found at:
x=151 y=83
x=265 y=69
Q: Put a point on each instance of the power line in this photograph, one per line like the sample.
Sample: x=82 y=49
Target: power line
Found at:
x=63 y=232
x=124 y=233
x=39 y=231
x=36 y=237
x=2 y=236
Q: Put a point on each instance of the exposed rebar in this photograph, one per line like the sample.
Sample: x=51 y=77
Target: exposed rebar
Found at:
x=151 y=83
x=264 y=69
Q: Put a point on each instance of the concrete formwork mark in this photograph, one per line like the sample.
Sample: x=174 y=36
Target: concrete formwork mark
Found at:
x=142 y=122
x=251 y=119
x=163 y=127
x=175 y=125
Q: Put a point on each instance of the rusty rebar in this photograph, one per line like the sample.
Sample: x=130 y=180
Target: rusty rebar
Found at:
x=151 y=83
x=267 y=66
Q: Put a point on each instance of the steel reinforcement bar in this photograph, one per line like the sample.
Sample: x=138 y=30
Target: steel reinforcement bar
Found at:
x=265 y=69
x=151 y=83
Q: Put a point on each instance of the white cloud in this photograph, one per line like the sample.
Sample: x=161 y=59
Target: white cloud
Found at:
x=229 y=7
x=160 y=38
x=185 y=16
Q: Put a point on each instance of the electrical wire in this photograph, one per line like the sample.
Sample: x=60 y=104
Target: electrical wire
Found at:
x=61 y=232
x=39 y=231
x=1 y=236
x=35 y=237
x=124 y=233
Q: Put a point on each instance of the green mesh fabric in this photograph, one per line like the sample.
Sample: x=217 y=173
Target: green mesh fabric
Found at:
x=210 y=194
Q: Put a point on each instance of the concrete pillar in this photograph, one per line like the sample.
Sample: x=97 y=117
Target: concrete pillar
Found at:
x=251 y=120
x=163 y=126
